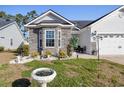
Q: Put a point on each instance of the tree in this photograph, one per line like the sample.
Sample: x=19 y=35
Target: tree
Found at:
x=10 y=17
x=28 y=17
x=74 y=42
x=31 y=15
x=19 y=19
x=2 y=14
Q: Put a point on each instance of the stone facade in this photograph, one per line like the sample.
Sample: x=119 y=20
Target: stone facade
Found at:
x=34 y=39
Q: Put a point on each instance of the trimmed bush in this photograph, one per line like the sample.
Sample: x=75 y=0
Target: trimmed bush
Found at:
x=34 y=54
x=1 y=48
x=62 y=54
x=47 y=52
x=25 y=49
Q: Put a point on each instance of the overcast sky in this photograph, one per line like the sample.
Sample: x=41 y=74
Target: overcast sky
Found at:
x=82 y=12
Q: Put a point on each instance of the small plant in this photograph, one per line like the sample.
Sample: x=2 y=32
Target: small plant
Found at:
x=34 y=54
x=48 y=53
x=62 y=54
x=25 y=49
x=1 y=48
x=69 y=50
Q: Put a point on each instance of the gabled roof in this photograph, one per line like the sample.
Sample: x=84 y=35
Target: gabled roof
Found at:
x=103 y=16
x=4 y=22
x=46 y=21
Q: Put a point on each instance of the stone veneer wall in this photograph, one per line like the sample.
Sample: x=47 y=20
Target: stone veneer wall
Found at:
x=33 y=39
x=65 y=38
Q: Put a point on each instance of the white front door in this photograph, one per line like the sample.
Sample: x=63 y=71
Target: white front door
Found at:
x=111 y=44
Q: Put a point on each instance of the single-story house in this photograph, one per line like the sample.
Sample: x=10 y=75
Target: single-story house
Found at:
x=52 y=31
x=10 y=34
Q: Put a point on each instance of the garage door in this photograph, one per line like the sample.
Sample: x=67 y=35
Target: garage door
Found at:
x=111 y=44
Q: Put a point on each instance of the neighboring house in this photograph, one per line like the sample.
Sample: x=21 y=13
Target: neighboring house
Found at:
x=52 y=31
x=10 y=34
x=109 y=29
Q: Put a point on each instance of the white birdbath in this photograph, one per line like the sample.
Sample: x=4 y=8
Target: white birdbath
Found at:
x=43 y=75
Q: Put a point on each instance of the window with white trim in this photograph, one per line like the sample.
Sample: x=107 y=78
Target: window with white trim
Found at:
x=50 y=38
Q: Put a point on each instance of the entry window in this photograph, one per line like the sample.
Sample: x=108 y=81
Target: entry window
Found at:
x=50 y=38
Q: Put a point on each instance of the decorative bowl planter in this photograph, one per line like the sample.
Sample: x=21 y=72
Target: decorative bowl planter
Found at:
x=43 y=75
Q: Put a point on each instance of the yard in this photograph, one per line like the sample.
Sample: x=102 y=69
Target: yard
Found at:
x=70 y=73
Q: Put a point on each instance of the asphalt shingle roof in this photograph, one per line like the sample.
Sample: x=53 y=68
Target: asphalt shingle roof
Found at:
x=81 y=23
x=4 y=22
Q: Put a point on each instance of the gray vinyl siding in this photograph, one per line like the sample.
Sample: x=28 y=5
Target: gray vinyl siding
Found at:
x=12 y=37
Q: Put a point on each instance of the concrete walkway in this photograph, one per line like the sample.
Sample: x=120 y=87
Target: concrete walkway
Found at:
x=86 y=56
x=115 y=58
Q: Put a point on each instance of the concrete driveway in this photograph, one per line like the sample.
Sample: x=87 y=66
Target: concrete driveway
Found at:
x=115 y=58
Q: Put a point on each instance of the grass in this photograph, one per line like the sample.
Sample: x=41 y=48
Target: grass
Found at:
x=70 y=73
x=83 y=71
x=3 y=66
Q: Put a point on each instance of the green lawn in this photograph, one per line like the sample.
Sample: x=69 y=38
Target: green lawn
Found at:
x=80 y=72
x=70 y=73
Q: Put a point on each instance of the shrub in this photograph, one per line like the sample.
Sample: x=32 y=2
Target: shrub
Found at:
x=62 y=54
x=25 y=49
x=19 y=49
x=69 y=50
x=74 y=42
x=47 y=52
x=34 y=54
x=1 y=48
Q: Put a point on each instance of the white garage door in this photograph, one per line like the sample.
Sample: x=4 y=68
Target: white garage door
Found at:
x=111 y=44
